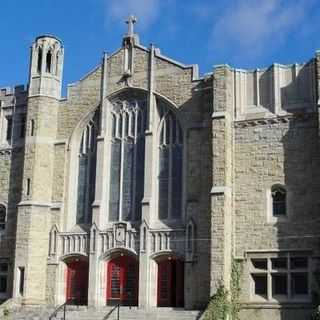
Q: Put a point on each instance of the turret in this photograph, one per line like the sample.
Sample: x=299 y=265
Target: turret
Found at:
x=46 y=67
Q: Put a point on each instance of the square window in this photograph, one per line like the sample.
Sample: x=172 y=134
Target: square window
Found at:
x=3 y=284
x=260 y=284
x=299 y=263
x=299 y=283
x=279 y=263
x=261 y=264
x=279 y=284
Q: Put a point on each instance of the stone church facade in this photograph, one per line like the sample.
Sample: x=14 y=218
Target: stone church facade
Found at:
x=146 y=182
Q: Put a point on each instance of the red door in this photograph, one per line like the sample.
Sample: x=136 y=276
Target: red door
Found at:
x=170 y=283
x=123 y=281
x=77 y=282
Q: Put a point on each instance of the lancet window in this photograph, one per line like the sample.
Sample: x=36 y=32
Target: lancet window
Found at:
x=127 y=159
x=170 y=165
x=87 y=172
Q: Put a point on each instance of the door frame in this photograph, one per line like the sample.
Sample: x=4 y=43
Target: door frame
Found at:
x=84 y=271
x=176 y=282
x=124 y=261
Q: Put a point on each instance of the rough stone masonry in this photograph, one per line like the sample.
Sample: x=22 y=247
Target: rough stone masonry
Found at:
x=146 y=182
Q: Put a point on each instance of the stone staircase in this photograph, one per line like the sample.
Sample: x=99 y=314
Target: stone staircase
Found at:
x=84 y=313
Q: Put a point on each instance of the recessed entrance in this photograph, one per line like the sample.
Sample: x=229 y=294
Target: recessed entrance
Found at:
x=170 y=283
x=77 y=282
x=123 y=281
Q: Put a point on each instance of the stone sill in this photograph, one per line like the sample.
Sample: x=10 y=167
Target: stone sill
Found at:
x=277 y=305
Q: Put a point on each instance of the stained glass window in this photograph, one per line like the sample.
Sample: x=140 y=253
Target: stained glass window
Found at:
x=86 y=173
x=170 y=165
x=127 y=159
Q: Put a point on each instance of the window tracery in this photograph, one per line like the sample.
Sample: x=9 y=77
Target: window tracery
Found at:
x=127 y=159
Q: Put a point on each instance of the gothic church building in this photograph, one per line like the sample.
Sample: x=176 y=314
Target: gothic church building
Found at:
x=146 y=182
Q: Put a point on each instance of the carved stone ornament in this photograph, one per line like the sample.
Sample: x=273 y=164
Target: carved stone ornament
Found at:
x=120 y=232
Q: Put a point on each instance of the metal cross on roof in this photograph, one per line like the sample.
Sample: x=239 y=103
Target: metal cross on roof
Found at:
x=130 y=22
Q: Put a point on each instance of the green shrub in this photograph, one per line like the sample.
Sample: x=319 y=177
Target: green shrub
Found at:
x=218 y=307
x=223 y=304
x=6 y=312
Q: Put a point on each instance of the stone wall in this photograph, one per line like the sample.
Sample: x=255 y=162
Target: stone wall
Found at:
x=285 y=152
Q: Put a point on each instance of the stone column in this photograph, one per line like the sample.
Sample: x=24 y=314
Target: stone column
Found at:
x=144 y=263
x=221 y=204
x=93 y=282
x=98 y=214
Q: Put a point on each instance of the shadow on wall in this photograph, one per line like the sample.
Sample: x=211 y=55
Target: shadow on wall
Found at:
x=298 y=229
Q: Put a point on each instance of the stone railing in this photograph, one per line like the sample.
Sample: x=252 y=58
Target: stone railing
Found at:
x=74 y=243
x=64 y=243
x=168 y=240
x=120 y=236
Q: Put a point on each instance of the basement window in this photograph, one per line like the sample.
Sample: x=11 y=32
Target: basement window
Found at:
x=280 y=278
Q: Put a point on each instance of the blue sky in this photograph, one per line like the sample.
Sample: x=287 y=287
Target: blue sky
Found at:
x=242 y=33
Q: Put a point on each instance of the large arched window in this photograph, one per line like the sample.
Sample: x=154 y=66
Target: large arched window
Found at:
x=279 y=200
x=127 y=159
x=3 y=217
x=87 y=172
x=170 y=165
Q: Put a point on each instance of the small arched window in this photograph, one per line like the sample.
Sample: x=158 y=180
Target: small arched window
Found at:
x=32 y=127
x=144 y=238
x=3 y=214
x=39 y=65
x=279 y=200
x=189 y=238
x=57 y=64
x=48 y=61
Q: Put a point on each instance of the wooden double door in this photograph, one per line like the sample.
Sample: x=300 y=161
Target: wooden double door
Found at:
x=171 y=283
x=77 y=282
x=123 y=281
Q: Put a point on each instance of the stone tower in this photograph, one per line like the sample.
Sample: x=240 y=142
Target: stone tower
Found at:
x=46 y=67
x=34 y=211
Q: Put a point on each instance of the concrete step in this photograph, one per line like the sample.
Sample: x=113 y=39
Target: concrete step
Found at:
x=126 y=313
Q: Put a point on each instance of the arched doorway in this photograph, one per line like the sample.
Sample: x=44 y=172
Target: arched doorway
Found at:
x=123 y=281
x=170 y=283
x=77 y=282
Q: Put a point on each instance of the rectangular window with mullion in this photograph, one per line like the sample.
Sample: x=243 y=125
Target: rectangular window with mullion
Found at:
x=289 y=278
